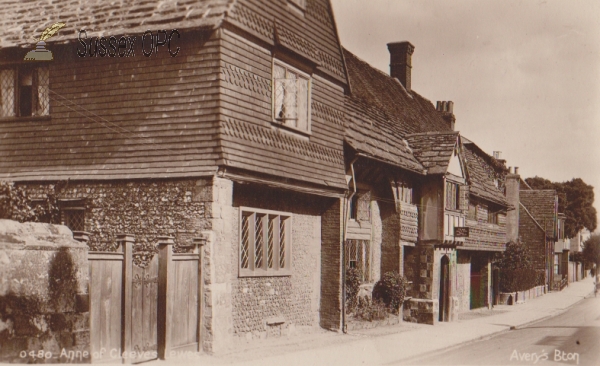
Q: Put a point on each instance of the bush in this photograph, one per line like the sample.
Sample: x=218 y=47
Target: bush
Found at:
x=512 y=280
x=370 y=310
x=353 y=276
x=16 y=205
x=391 y=290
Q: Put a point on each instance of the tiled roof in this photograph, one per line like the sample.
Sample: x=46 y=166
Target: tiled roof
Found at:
x=385 y=101
x=433 y=149
x=542 y=204
x=366 y=135
x=22 y=21
x=481 y=176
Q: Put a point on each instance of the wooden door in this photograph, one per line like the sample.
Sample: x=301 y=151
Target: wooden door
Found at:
x=444 y=299
x=143 y=311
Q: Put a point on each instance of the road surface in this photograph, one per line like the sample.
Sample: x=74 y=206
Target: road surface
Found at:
x=572 y=338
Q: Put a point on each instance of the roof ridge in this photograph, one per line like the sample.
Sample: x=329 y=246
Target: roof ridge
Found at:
x=432 y=133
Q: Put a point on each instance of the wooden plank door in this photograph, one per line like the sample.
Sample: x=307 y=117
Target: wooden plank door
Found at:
x=106 y=270
x=143 y=311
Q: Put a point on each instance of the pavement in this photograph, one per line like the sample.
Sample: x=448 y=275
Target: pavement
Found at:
x=403 y=343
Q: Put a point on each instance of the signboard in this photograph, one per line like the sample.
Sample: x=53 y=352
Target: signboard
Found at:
x=461 y=232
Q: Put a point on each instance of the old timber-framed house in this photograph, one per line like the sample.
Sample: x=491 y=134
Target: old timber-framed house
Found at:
x=236 y=140
x=412 y=178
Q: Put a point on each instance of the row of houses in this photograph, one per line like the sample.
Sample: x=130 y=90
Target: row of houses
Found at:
x=298 y=158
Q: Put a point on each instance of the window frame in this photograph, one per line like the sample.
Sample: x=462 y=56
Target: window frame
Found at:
x=265 y=271
x=447 y=192
x=281 y=122
x=37 y=110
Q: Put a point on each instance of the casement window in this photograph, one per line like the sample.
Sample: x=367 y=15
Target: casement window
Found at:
x=556 y=264
x=357 y=255
x=24 y=91
x=291 y=97
x=265 y=243
x=492 y=216
x=452 y=198
x=73 y=218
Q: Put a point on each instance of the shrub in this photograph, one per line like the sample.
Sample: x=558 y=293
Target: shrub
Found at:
x=391 y=290
x=16 y=205
x=353 y=276
x=516 y=272
x=370 y=310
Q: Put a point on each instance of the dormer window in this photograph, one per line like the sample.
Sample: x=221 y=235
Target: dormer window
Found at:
x=24 y=91
x=291 y=97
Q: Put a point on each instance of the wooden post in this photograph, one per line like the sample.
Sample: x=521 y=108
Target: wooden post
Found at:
x=125 y=242
x=200 y=243
x=165 y=295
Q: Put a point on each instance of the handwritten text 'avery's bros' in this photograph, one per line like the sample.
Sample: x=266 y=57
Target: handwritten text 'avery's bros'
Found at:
x=125 y=46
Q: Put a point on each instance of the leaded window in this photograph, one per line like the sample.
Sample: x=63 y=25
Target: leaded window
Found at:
x=24 y=91
x=265 y=243
x=357 y=254
x=452 y=198
x=73 y=218
x=291 y=97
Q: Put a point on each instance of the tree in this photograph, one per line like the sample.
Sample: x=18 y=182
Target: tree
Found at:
x=591 y=250
x=575 y=200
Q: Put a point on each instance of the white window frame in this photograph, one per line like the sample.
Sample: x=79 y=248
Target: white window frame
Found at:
x=277 y=266
x=283 y=122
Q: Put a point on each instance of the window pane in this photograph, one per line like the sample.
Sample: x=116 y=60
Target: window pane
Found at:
x=290 y=99
x=7 y=93
x=270 y=241
x=245 y=241
x=279 y=91
x=258 y=242
x=282 y=242
x=43 y=97
x=74 y=219
x=302 y=109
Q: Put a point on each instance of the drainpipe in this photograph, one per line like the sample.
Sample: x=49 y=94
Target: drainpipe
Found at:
x=346 y=218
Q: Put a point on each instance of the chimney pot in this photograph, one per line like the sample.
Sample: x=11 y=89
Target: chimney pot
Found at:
x=497 y=154
x=516 y=170
x=450 y=107
x=401 y=62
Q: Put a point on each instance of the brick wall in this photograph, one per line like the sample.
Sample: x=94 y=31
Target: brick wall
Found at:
x=534 y=237
x=331 y=259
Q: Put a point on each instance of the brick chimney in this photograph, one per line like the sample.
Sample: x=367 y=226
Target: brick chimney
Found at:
x=512 y=184
x=447 y=111
x=401 y=61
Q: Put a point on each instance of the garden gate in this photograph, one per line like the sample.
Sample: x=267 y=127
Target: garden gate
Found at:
x=144 y=309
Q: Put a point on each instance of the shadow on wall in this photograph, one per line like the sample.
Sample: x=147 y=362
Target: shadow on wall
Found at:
x=51 y=322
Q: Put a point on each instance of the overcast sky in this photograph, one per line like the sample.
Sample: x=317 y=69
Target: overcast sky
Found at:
x=524 y=75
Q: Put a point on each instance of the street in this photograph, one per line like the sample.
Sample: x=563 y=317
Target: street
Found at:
x=570 y=338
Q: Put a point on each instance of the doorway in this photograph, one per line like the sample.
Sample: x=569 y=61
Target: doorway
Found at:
x=444 y=299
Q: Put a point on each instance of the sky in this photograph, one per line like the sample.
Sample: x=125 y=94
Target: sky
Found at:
x=524 y=76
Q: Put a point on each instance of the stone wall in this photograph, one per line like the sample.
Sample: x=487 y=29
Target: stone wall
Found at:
x=146 y=209
x=44 y=307
x=278 y=305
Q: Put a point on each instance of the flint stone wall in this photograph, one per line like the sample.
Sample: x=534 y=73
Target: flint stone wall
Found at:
x=44 y=308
